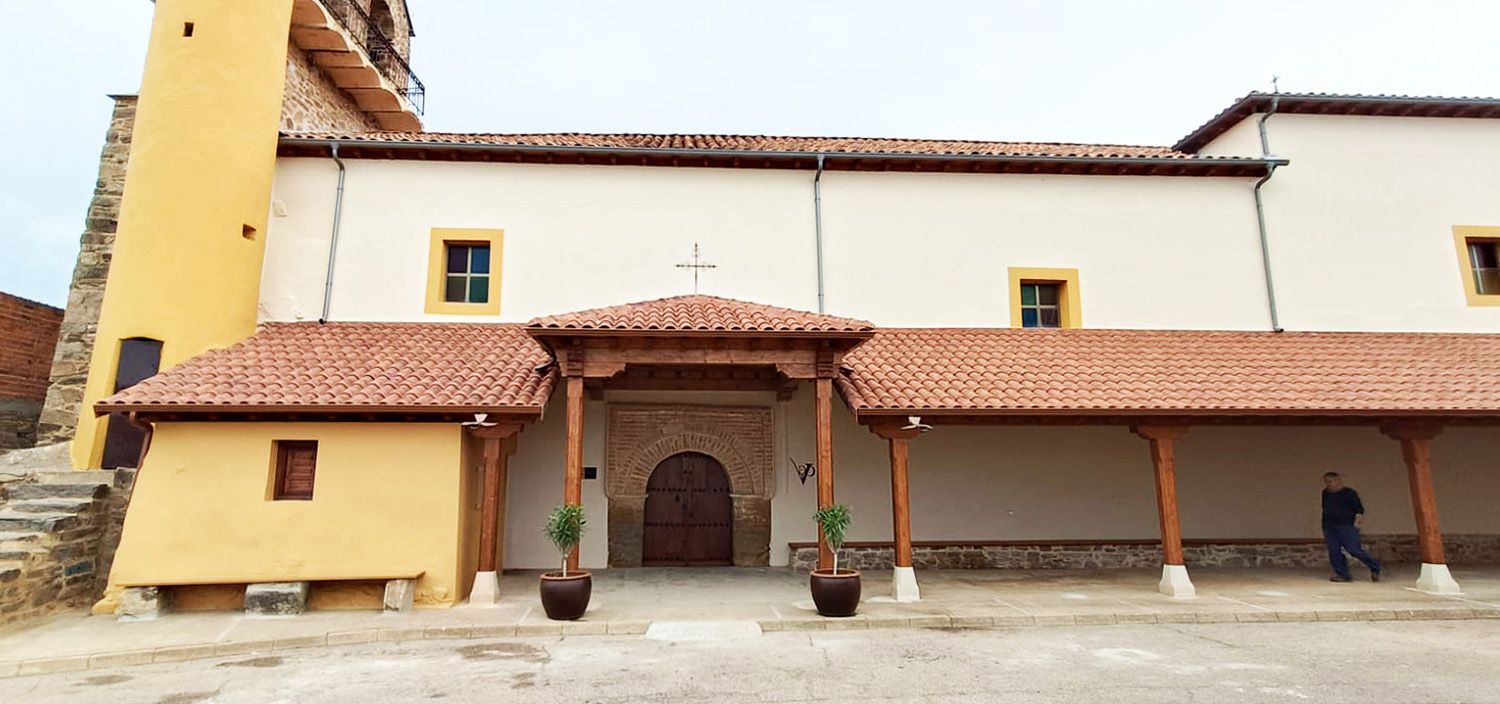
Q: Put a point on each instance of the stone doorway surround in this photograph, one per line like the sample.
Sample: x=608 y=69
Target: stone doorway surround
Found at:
x=641 y=436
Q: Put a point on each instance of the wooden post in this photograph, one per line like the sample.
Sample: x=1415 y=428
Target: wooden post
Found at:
x=1416 y=446
x=573 y=469
x=499 y=443
x=489 y=516
x=899 y=439
x=824 y=422
x=1163 y=459
x=904 y=581
x=1416 y=450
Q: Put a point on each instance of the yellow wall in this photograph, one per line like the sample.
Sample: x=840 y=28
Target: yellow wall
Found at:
x=388 y=499
x=201 y=164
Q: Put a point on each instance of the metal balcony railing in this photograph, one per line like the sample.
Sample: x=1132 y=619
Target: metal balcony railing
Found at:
x=380 y=50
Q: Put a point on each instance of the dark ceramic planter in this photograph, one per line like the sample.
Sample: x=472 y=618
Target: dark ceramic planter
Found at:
x=836 y=594
x=566 y=598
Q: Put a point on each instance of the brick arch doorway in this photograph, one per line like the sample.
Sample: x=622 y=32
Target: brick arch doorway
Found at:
x=689 y=513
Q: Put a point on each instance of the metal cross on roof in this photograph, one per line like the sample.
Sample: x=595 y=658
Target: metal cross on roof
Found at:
x=696 y=265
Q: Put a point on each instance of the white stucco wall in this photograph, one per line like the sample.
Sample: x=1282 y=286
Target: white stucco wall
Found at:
x=1360 y=223
x=901 y=249
x=1039 y=483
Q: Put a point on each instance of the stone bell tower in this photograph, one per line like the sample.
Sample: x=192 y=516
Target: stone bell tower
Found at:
x=170 y=263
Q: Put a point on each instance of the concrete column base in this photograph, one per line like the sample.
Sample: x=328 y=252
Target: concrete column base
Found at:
x=1436 y=579
x=399 y=594
x=276 y=598
x=904 y=584
x=142 y=603
x=486 y=591
x=1175 y=582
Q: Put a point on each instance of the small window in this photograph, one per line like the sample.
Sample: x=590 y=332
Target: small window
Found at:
x=296 y=467
x=1040 y=305
x=467 y=274
x=1484 y=262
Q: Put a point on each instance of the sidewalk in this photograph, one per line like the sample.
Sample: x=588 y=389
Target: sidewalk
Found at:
x=629 y=602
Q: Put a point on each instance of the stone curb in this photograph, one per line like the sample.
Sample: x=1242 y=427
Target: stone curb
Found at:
x=179 y=653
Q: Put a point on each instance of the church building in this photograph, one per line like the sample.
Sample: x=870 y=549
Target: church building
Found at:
x=343 y=350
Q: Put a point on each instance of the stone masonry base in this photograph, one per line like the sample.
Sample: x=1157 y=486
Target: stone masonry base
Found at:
x=1470 y=549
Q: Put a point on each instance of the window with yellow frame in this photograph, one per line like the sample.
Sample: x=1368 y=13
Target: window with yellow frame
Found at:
x=1044 y=298
x=463 y=271
x=1479 y=263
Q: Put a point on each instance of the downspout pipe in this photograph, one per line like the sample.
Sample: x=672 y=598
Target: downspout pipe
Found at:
x=1260 y=214
x=818 y=227
x=333 y=238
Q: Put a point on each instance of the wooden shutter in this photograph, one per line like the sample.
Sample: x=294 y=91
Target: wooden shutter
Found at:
x=296 y=467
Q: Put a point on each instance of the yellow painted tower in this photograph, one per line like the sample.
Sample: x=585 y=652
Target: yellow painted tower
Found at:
x=222 y=78
x=187 y=258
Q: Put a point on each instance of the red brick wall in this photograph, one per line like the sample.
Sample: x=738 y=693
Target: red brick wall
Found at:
x=28 y=334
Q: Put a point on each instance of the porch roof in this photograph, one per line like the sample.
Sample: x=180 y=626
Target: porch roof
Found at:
x=1013 y=372
x=698 y=315
x=356 y=368
x=948 y=374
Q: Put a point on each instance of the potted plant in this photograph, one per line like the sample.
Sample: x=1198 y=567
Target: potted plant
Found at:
x=565 y=595
x=835 y=592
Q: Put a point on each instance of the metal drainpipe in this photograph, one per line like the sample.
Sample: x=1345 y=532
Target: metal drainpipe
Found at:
x=333 y=239
x=818 y=226
x=1260 y=215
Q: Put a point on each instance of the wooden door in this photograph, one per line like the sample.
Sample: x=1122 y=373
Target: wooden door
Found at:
x=688 y=513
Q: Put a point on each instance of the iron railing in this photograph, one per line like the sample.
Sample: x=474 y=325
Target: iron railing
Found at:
x=379 y=48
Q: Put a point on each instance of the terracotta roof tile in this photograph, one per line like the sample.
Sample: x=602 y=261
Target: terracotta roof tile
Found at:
x=698 y=314
x=1097 y=371
x=762 y=143
x=391 y=366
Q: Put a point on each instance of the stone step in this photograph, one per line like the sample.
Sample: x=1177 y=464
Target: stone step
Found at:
x=76 y=476
x=18 y=554
x=51 y=505
x=45 y=522
x=91 y=490
x=11 y=539
x=9 y=572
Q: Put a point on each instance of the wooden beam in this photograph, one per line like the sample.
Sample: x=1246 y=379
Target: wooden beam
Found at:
x=824 y=433
x=1416 y=447
x=573 y=467
x=1163 y=460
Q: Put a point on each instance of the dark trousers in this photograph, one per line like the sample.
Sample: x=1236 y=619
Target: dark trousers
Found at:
x=1346 y=538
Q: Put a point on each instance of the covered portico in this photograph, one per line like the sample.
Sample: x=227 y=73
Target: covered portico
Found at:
x=1159 y=385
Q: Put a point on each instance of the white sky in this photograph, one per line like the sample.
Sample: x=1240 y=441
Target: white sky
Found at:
x=1059 y=70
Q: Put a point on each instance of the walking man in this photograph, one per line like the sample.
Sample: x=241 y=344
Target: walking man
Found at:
x=1343 y=515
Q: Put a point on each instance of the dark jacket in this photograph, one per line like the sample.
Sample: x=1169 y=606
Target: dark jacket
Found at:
x=1340 y=507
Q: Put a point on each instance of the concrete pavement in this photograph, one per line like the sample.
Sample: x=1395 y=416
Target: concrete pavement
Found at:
x=629 y=602
x=1429 y=661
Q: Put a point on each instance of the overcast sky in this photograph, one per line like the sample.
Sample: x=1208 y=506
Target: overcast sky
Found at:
x=1057 y=70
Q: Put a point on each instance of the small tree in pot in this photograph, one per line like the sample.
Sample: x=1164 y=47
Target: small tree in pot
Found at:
x=835 y=592
x=565 y=595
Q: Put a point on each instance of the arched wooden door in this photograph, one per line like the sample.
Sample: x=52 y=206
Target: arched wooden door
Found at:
x=688 y=513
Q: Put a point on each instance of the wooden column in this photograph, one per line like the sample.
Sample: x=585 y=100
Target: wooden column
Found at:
x=898 y=438
x=499 y=444
x=824 y=422
x=573 y=468
x=1416 y=444
x=1162 y=438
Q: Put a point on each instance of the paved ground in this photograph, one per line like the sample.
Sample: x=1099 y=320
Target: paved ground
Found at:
x=628 y=602
x=1454 y=661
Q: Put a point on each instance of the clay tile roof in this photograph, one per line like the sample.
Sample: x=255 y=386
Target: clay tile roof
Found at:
x=1013 y=371
x=761 y=144
x=1336 y=104
x=699 y=314
x=371 y=367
